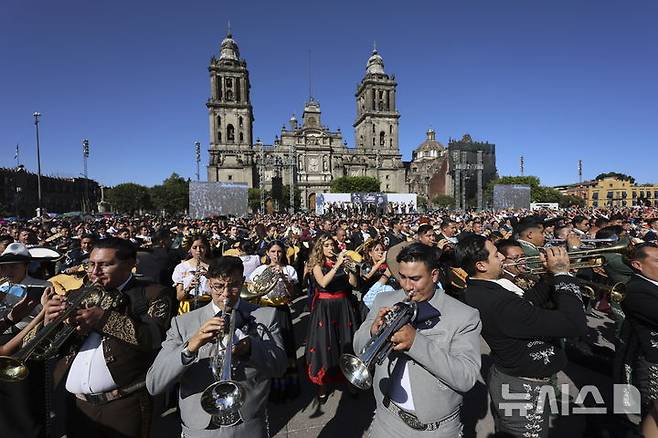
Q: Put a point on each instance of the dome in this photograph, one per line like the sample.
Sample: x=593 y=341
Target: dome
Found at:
x=430 y=148
x=375 y=64
x=229 y=49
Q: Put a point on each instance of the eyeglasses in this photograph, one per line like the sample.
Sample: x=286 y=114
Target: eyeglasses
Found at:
x=92 y=266
x=219 y=287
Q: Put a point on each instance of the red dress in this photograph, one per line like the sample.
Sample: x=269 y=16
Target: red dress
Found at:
x=332 y=325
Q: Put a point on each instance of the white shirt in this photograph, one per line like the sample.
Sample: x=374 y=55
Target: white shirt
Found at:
x=509 y=285
x=184 y=274
x=400 y=393
x=89 y=373
x=238 y=335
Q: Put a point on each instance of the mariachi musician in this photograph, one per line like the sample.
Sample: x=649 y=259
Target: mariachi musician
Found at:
x=188 y=277
x=279 y=279
x=640 y=331
x=103 y=364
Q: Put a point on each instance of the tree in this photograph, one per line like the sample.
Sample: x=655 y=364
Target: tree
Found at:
x=129 y=198
x=443 y=201
x=285 y=201
x=253 y=199
x=355 y=184
x=571 y=201
x=621 y=176
x=172 y=195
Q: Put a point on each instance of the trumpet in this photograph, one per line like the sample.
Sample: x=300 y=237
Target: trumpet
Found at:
x=580 y=259
x=353 y=262
x=591 y=290
x=225 y=397
x=612 y=239
x=358 y=369
x=50 y=338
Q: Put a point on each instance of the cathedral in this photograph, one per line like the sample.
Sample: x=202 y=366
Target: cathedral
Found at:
x=308 y=153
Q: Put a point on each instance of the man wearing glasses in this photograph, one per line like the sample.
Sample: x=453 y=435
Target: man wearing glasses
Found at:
x=103 y=366
x=187 y=356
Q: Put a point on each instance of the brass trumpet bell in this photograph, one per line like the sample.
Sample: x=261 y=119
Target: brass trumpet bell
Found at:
x=12 y=370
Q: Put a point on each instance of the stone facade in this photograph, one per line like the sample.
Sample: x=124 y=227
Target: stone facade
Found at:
x=428 y=174
x=314 y=153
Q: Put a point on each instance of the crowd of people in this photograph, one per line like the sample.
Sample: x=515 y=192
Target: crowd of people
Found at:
x=148 y=306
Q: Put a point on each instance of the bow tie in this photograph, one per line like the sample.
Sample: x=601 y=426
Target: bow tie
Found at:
x=427 y=316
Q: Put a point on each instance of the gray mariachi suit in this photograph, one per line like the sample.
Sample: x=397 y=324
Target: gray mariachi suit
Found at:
x=444 y=362
x=267 y=360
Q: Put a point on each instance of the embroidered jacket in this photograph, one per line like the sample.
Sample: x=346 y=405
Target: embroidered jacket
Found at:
x=523 y=336
x=132 y=327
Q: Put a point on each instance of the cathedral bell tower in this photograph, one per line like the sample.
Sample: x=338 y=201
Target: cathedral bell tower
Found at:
x=230 y=117
x=376 y=124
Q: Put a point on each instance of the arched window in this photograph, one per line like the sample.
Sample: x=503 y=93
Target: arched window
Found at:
x=241 y=137
x=382 y=138
x=230 y=133
x=219 y=136
x=240 y=121
x=229 y=89
x=361 y=141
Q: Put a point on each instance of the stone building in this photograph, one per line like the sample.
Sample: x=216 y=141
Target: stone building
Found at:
x=307 y=150
x=19 y=193
x=319 y=154
x=428 y=173
x=472 y=166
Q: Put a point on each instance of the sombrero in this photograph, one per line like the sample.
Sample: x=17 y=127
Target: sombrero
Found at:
x=392 y=255
x=19 y=253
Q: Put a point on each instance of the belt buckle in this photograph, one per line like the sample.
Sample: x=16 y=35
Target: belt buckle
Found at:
x=411 y=420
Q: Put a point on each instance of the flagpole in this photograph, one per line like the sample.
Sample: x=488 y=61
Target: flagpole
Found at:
x=18 y=156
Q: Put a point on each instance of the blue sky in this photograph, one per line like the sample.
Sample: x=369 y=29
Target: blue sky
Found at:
x=555 y=81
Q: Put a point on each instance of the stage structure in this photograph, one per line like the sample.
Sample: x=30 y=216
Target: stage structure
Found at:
x=217 y=198
x=514 y=196
x=381 y=201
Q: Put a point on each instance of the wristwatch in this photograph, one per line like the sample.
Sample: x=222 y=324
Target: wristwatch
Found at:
x=187 y=354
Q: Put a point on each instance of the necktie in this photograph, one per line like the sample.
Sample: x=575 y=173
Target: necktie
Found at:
x=427 y=316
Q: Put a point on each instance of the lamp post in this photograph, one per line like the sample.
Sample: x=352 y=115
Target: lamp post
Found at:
x=197 y=155
x=85 y=156
x=36 y=125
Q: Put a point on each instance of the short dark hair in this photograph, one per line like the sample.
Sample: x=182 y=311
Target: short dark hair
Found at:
x=503 y=244
x=528 y=224
x=418 y=252
x=125 y=249
x=578 y=219
x=600 y=221
x=609 y=231
x=639 y=252
x=225 y=266
x=446 y=223
x=89 y=236
x=469 y=251
x=424 y=229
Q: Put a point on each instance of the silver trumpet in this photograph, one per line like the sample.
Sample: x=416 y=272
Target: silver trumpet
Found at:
x=358 y=369
x=225 y=397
